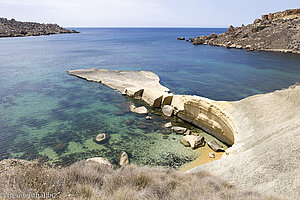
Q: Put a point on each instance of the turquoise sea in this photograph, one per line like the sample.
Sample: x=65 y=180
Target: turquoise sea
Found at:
x=45 y=113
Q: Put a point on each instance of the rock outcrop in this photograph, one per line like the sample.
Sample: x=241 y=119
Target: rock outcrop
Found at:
x=142 y=85
x=123 y=160
x=13 y=28
x=278 y=32
x=266 y=151
x=192 y=141
x=262 y=129
x=142 y=110
x=101 y=138
x=168 y=110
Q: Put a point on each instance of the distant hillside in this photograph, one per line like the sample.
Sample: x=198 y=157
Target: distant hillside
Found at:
x=278 y=31
x=13 y=28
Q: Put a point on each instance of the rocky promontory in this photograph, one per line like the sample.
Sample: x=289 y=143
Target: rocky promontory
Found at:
x=13 y=28
x=262 y=129
x=279 y=32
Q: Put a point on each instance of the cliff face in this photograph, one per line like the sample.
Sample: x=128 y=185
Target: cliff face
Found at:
x=13 y=28
x=266 y=152
x=274 y=32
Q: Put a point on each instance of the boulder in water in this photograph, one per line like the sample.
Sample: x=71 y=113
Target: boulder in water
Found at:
x=179 y=130
x=194 y=141
x=123 y=160
x=101 y=138
x=168 y=110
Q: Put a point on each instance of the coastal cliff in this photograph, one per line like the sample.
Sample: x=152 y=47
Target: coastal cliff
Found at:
x=13 y=28
x=262 y=129
x=278 y=32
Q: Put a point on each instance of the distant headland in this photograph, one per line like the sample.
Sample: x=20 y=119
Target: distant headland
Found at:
x=13 y=28
x=279 y=32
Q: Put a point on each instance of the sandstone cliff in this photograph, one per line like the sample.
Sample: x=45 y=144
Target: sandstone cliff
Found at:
x=262 y=129
x=13 y=28
x=266 y=152
x=278 y=32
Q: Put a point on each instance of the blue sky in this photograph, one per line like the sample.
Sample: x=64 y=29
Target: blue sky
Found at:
x=171 y=13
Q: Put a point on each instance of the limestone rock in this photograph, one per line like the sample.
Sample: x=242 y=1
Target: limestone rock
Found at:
x=168 y=110
x=188 y=132
x=101 y=138
x=184 y=142
x=100 y=160
x=148 y=117
x=138 y=84
x=152 y=97
x=123 y=160
x=139 y=110
x=211 y=155
x=168 y=125
x=194 y=141
x=215 y=146
x=179 y=130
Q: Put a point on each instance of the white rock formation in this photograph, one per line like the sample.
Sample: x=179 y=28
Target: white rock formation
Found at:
x=265 y=155
x=194 y=141
x=139 y=110
x=138 y=84
x=262 y=129
x=168 y=110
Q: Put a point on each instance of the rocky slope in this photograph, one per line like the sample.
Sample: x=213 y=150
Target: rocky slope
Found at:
x=263 y=130
x=278 y=32
x=13 y=28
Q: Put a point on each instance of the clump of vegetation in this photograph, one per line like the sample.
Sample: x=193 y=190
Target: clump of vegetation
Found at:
x=91 y=180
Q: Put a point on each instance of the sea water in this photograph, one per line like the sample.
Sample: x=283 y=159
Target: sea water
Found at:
x=46 y=113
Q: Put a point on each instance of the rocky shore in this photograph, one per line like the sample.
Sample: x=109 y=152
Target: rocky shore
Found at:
x=278 y=32
x=262 y=129
x=13 y=28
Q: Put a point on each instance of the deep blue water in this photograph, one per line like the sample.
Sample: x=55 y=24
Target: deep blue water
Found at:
x=45 y=112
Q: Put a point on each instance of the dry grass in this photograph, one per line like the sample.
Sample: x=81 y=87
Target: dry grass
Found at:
x=90 y=180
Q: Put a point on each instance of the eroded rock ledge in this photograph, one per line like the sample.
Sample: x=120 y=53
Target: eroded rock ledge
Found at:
x=278 y=32
x=264 y=129
x=204 y=113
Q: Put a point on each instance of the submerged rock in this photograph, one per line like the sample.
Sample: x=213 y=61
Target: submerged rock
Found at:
x=129 y=121
x=166 y=131
x=100 y=160
x=123 y=160
x=165 y=137
x=179 y=130
x=184 y=142
x=139 y=110
x=215 y=146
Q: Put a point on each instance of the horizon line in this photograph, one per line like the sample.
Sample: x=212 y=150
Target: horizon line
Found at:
x=142 y=27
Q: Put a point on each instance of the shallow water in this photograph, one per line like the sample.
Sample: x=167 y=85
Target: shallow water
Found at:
x=45 y=112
